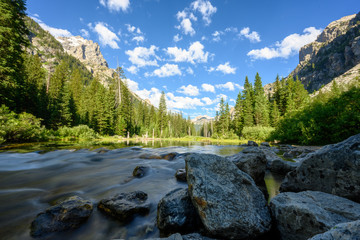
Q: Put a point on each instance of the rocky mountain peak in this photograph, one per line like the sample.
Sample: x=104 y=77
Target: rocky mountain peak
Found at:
x=88 y=52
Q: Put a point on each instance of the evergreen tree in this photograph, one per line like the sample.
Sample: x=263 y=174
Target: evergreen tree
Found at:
x=126 y=108
x=162 y=113
x=238 y=120
x=261 y=113
x=13 y=39
x=247 y=106
x=275 y=114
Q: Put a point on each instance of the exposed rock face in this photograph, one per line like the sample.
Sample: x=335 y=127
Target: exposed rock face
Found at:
x=342 y=231
x=176 y=213
x=252 y=161
x=300 y=216
x=333 y=169
x=69 y=214
x=228 y=202
x=124 y=206
x=89 y=54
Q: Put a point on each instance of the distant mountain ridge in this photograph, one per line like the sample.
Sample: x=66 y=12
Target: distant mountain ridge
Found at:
x=200 y=120
x=335 y=54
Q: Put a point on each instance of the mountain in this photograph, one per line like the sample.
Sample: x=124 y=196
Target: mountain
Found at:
x=335 y=54
x=200 y=120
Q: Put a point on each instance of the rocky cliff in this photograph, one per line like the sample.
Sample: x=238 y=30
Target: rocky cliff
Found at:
x=88 y=52
x=335 y=52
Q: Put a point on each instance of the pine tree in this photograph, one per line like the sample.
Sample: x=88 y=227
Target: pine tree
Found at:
x=238 y=120
x=275 y=114
x=247 y=106
x=162 y=113
x=261 y=113
x=126 y=108
x=13 y=39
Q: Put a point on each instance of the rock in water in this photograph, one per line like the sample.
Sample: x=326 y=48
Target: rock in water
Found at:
x=181 y=175
x=342 y=231
x=176 y=213
x=227 y=200
x=332 y=169
x=140 y=171
x=251 y=160
x=124 y=206
x=300 y=216
x=67 y=215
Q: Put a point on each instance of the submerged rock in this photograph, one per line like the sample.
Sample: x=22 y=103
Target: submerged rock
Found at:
x=181 y=175
x=67 y=215
x=169 y=156
x=176 y=213
x=301 y=215
x=140 y=171
x=333 y=169
x=342 y=231
x=124 y=206
x=227 y=200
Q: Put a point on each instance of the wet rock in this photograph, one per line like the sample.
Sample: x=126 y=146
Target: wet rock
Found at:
x=333 y=169
x=252 y=144
x=140 y=171
x=227 y=200
x=285 y=147
x=178 y=236
x=302 y=215
x=342 y=231
x=181 y=175
x=124 y=206
x=176 y=213
x=149 y=156
x=67 y=215
x=265 y=144
x=169 y=156
x=251 y=160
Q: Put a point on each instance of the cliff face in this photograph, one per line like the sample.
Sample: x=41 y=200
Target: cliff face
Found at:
x=89 y=54
x=334 y=52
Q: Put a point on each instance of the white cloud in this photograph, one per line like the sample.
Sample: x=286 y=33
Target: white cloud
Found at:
x=133 y=29
x=289 y=46
x=205 y=8
x=231 y=29
x=133 y=69
x=252 y=36
x=56 y=32
x=229 y=86
x=166 y=70
x=189 y=90
x=116 y=5
x=186 y=27
x=142 y=56
x=182 y=102
x=195 y=53
x=177 y=38
x=207 y=100
x=85 y=33
x=224 y=68
x=217 y=36
x=106 y=36
x=208 y=88
x=138 y=39
x=190 y=71
x=133 y=86
x=223 y=96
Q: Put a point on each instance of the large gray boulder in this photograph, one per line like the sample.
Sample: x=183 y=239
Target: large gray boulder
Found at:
x=227 y=200
x=124 y=206
x=276 y=164
x=251 y=160
x=342 y=231
x=299 y=216
x=333 y=169
x=176 y=213
x=67 y=215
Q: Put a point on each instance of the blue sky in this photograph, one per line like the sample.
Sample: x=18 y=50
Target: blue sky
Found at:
x=195 y=51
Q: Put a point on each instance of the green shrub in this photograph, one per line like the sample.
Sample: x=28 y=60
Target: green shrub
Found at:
x=23 y=127
x=258 y=133
x=80 y=131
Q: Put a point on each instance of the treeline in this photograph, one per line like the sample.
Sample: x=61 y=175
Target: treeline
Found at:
x=70 y=96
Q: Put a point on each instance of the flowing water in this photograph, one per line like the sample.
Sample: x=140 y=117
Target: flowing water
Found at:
x=31 y=181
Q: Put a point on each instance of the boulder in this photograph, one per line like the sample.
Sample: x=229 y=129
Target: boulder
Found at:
x=149 y=156
x=176 y=213
x=178 y=236
x=332 y=169
x=181 y=175
x=251 y=160
x=252 y=144
x=281 y=166
x=169 y=156
x=67 y=215
x=302 y=215
x=124 y=206
x=227 y=200
x=265 y=144
x=342 y=231
x=140 y=171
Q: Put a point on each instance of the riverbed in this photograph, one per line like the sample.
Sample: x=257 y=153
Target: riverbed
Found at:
x=34 y=178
